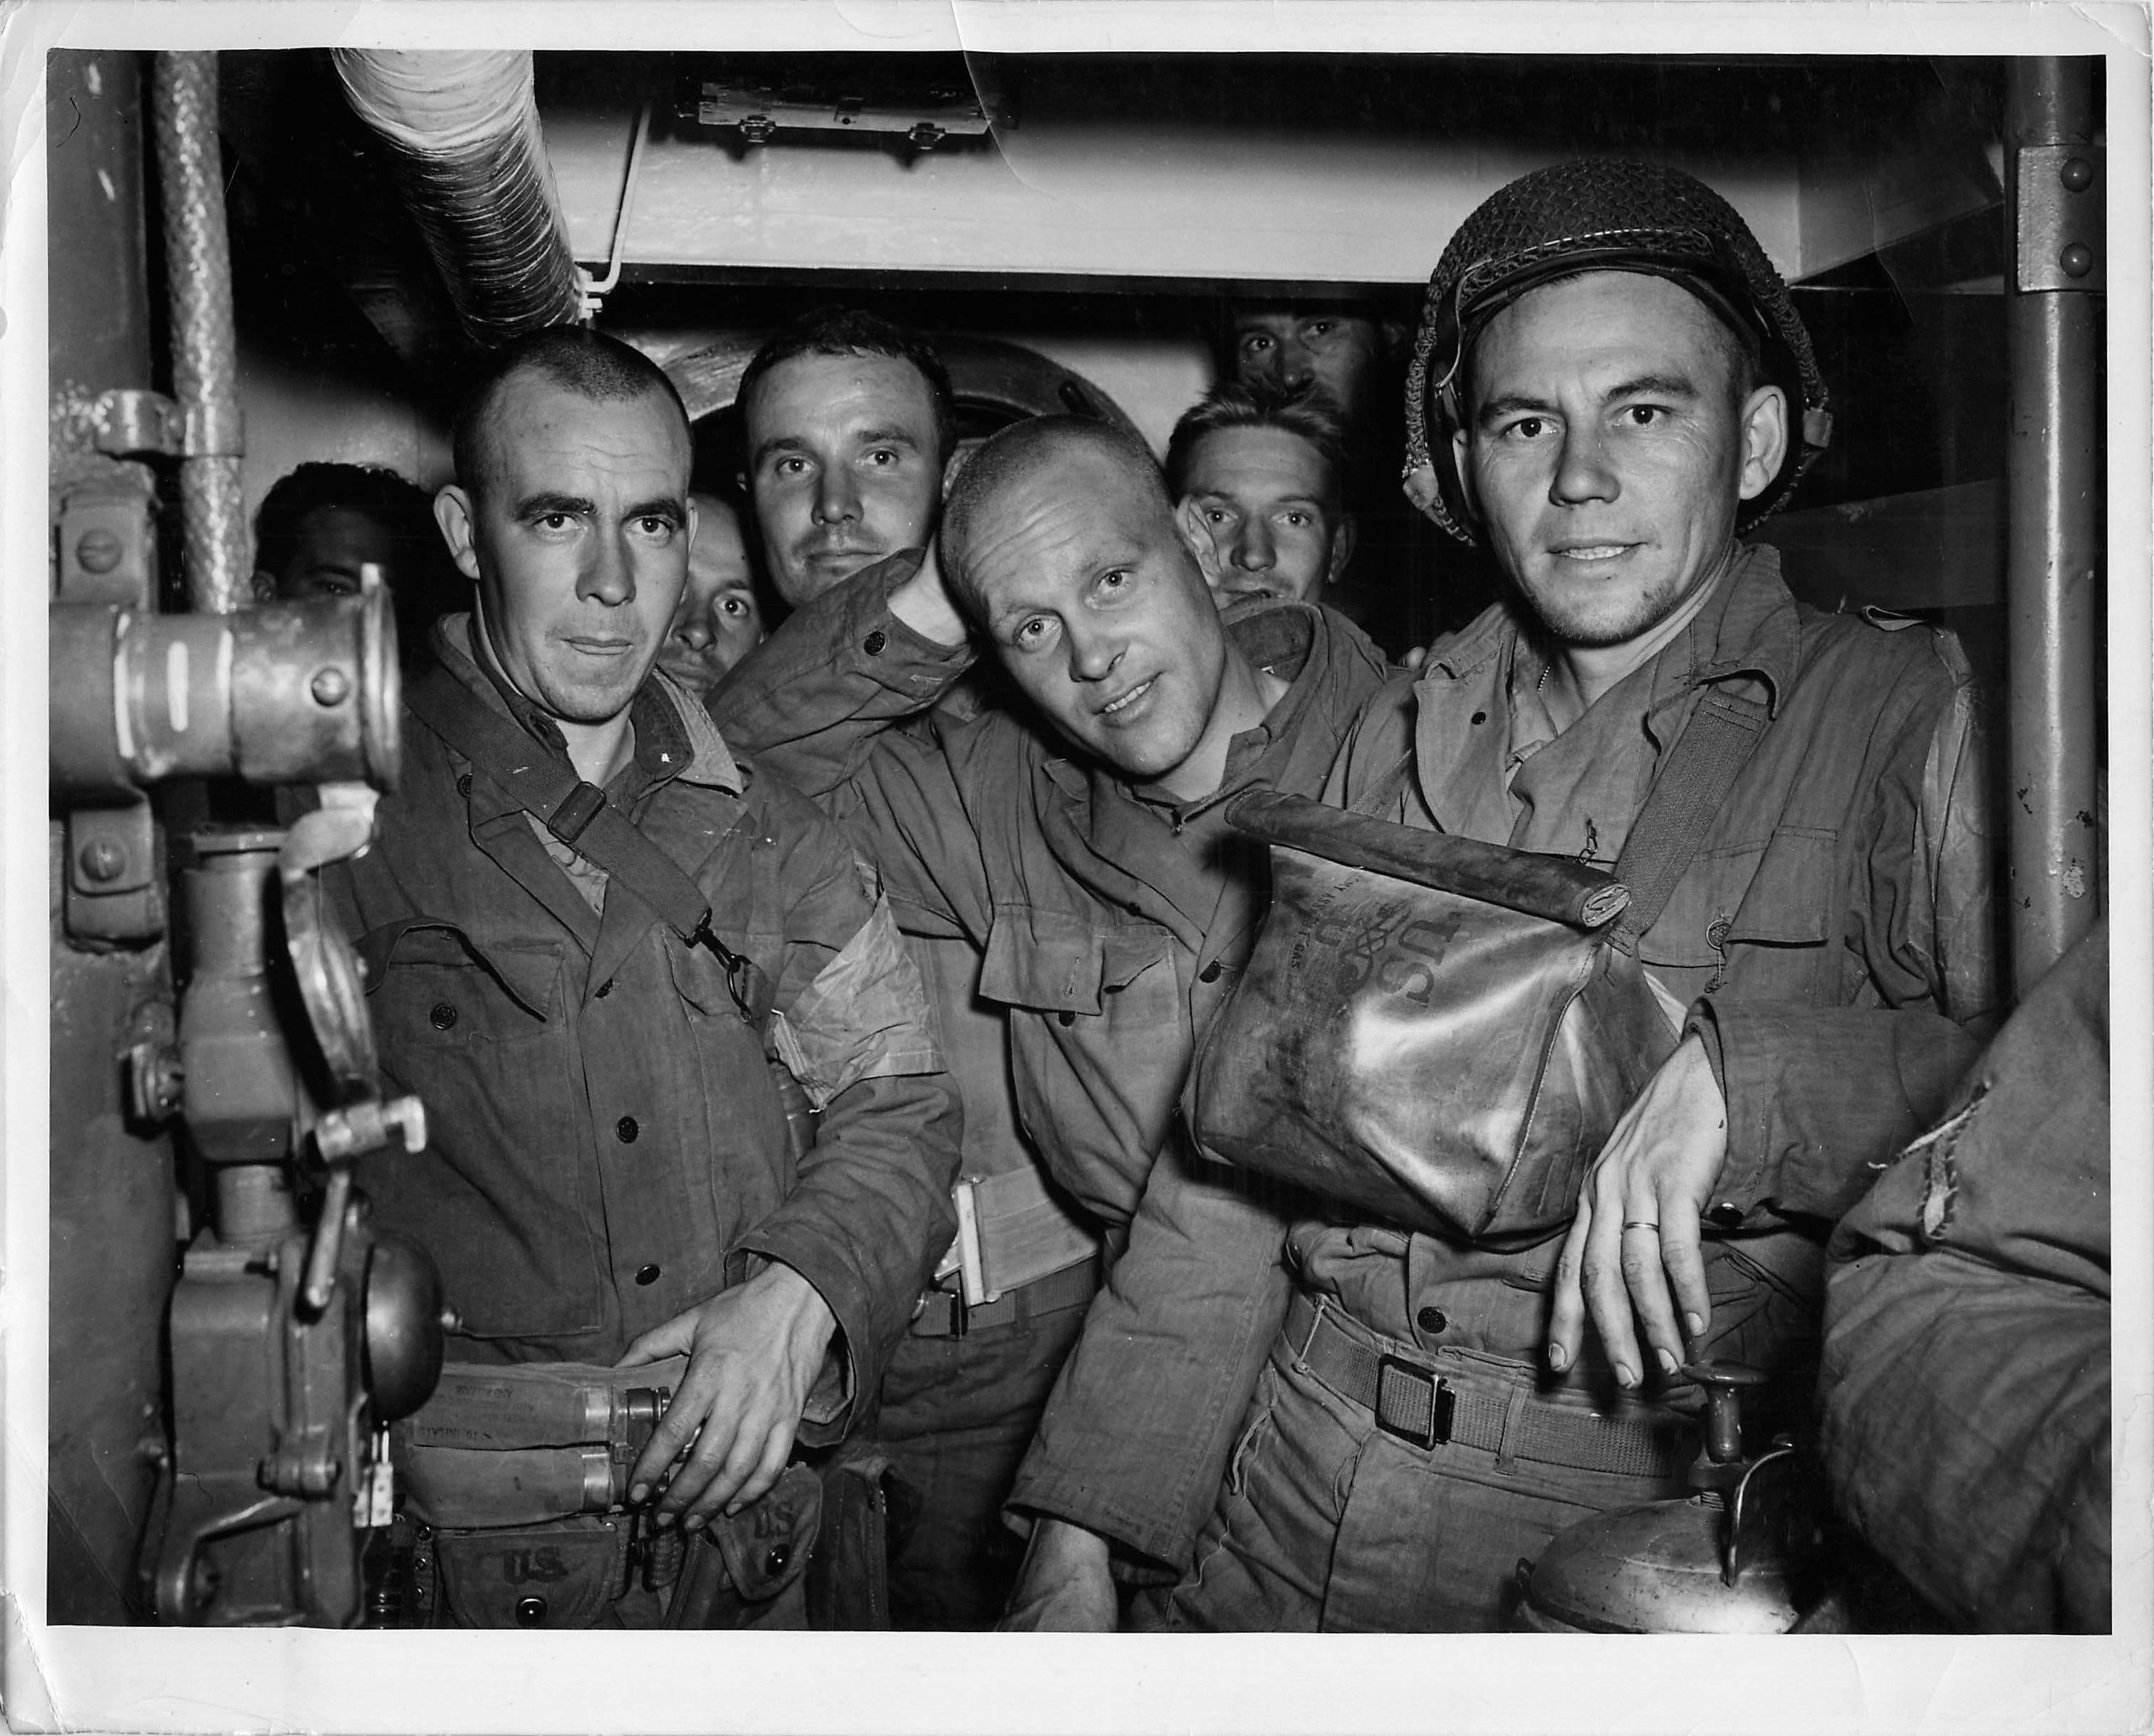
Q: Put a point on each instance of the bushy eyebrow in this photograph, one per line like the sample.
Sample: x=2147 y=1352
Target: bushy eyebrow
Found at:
x=545 y=503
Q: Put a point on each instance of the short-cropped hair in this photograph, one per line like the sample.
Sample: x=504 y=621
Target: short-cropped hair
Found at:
x=1306 y=411
x=853 y=331
x=1014 y=454
x=575 y=357
x=403 y=509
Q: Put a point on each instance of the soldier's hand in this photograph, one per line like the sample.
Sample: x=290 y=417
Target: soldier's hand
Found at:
x=753 y=1353
x=1064 y=1587
x=1634 y=1246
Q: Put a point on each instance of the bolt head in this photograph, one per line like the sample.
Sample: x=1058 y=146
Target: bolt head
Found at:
x=331 y=687
x=2077 y=174
x=102 y=859
x=2077 y=259
x=98 y=551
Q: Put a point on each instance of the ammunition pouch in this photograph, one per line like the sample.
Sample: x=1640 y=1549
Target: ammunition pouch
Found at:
x=515 y=1478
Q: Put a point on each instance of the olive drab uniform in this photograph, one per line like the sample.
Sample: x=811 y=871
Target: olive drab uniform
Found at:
x=1966 y=1380
x=608 y=1145
x=1109 y=927
x=1829 y=940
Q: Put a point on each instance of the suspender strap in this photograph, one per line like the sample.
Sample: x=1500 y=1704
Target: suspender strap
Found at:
x=574 y=811
x=1723 y=734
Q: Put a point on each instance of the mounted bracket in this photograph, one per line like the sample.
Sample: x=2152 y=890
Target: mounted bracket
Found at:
x=2063 y=239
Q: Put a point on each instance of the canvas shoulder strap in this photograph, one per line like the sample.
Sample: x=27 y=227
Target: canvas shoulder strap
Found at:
x=1722 y=735
x=575 y=812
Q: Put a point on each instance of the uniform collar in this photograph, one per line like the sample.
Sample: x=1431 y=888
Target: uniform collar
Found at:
x=675 y=736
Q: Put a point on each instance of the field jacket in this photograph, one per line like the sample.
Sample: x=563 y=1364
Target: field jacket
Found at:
x=607 y=1146
x=1109 y=927
x=1966 y=1387
x=1832 y=934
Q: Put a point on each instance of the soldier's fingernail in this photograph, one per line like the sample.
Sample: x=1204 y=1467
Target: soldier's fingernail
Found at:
x=664 y=1520
x=1559 y=1357
x=1667 y=1361
x=694 y=1522
x=1623 y=1376
x=1694 y=1324
x=638 y=1494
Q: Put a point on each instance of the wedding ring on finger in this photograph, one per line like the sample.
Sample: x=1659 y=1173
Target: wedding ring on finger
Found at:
x=1632 y=1223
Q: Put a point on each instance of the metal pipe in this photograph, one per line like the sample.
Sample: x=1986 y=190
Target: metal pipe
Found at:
x=2053 y=470
x=462 y=128
x=205 y=370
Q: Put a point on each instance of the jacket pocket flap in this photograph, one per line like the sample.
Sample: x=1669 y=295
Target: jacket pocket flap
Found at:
x=1773 y=894
x=526 y=970
x=1043 y=963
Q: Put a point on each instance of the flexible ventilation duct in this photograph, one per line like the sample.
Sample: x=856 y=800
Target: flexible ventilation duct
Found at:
x=462 y=131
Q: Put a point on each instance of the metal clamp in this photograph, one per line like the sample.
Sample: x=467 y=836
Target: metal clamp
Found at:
x=2063 y=217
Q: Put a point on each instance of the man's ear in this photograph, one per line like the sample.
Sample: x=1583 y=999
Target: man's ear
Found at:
x=264 y=586
x=452 y=512
x=1189 y=526
x=1342 y=546
x=1764 y=439
x=1462 y=444
x=692 y=521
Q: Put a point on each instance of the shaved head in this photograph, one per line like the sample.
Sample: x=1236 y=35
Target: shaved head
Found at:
x=1017 y=454
x=576 y=359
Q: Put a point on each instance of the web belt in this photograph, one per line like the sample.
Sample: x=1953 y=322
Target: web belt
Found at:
x=1418 y=1405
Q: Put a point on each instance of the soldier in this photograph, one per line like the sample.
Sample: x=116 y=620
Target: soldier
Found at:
x=1611 y=384
x=1076 y=845
x=611 y=1177
x=1261 y=469
x=849 y=427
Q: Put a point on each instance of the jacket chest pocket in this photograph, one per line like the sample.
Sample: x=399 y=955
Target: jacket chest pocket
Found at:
x=1111 y=1003
x=1751 y=920
x=503 y=1197
x=751 y=1157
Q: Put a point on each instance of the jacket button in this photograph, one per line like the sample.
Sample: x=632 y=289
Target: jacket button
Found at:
x=1480 y=718
x=463 y=784
x=1431 y=1320
x=626 y=1130
x=442 y=1016
x=646 y=1275
x=874 y=643
x=1726 y=1215
x=530 y=1611
x=605 y=988
x=1210 y=973
x=1065 y=1018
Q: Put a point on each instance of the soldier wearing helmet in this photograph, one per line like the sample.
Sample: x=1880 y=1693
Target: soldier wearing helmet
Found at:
x=1610 y=388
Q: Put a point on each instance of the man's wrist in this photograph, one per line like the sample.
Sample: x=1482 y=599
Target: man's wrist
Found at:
x=922 y=603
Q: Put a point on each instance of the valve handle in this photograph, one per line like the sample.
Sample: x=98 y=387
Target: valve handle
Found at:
x=1724 y=1382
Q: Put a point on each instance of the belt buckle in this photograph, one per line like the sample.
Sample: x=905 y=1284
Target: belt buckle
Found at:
x=939 y=1314
x=1441 y=1402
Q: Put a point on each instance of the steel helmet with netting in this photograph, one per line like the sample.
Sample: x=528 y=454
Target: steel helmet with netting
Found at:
x=1599 y=214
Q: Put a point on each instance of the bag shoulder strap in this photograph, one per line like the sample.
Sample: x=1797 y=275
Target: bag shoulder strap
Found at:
x=575 y=812
x=1722 y=735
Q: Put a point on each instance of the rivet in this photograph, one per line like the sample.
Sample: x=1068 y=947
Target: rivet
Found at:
x=2077 y=174
x=530 y=1611
x=101 y=860
x=2077 y=259
x=98 y=551
x=331 y=687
